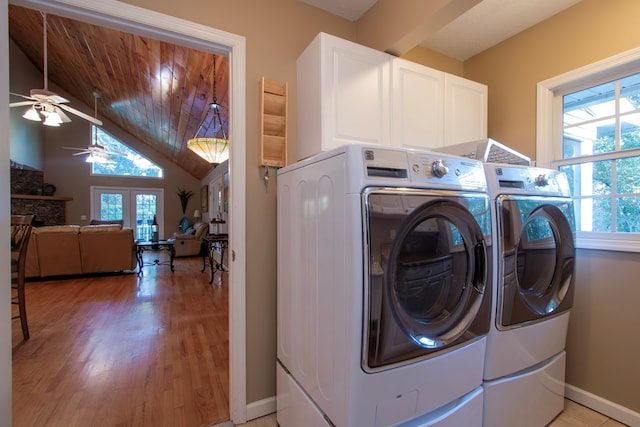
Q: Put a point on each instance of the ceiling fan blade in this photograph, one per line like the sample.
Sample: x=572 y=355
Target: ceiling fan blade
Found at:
x=21 y=103
x=22 y=96
x=115 y=153
x=63 y=116
x=76 y=148
x=81 y=153
x=81 y=114
x=48 y=95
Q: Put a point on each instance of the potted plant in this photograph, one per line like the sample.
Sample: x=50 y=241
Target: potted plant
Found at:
x=184 y=196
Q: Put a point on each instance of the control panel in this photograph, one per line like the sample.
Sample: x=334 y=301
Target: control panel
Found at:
x=425 y=168
x=528 y=180
x=438 y=168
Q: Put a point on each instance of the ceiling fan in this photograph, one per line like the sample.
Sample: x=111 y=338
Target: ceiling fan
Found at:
x=48 y=104
x=97 y=153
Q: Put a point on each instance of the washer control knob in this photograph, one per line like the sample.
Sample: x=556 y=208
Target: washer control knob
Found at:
x=439 y=169
x=541 y=180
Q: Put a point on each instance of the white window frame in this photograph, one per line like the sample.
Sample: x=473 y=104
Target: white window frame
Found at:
x=549 y=131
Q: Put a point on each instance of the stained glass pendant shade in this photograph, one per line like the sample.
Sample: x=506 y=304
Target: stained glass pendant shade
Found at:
x=214 y=149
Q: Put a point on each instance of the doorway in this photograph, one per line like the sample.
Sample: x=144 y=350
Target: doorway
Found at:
x=110 y=13
x=136 y=207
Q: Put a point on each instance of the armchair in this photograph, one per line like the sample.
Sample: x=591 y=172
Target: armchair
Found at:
x=189 y=243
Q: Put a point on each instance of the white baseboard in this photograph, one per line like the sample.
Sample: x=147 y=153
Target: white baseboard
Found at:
x=261 y=408
x=606 y=407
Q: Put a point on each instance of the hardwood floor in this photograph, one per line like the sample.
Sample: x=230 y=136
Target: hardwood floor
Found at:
x=123 y=350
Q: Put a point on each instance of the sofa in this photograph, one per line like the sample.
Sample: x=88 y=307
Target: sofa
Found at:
x=189 y=243
x=62 y=250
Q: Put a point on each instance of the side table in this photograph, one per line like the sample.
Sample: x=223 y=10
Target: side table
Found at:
x=160 y=245
x=212 y=242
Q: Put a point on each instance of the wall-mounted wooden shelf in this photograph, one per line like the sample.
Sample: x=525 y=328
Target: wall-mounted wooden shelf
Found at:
x=273 y=123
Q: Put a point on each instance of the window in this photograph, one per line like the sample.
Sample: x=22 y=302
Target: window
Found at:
x=126 y=162
x=591 y=120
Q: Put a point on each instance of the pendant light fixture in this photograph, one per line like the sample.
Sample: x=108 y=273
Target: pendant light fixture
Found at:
x=211 y=148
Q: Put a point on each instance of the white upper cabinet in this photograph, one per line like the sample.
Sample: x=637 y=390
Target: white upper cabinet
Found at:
x=349 y=93
x=432 y=109
x=418 y=105
x=343 y=95
x=465 y=110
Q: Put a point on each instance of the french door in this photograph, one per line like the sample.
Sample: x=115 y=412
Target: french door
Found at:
x=137 y=207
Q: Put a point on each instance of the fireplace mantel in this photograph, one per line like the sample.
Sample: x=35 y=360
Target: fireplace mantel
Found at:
x=37 y=197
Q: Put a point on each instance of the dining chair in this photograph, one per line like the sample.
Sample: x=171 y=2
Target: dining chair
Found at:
x=20 y=234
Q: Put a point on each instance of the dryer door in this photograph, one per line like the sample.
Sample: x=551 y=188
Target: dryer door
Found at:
x=538 y=253
x=428 y=273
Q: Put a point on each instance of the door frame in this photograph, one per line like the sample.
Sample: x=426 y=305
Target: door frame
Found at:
x=129 y=203
x=126 y=17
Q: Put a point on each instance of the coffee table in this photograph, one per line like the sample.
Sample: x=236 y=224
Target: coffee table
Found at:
x=160 y=245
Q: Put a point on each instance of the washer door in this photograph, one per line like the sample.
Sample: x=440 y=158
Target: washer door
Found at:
x=430 y=287
x=538 y=265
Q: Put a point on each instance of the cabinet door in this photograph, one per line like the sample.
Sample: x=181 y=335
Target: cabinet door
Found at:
x=343 y=95
x=417 y=115
x=465 y=110
x=358 y=79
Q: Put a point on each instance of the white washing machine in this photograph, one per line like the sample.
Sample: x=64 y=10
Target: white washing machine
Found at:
x=534 y=234
x=384 y=267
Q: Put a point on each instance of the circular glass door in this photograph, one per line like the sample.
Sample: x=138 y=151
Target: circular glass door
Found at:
x=544 y=259
x=436 y=273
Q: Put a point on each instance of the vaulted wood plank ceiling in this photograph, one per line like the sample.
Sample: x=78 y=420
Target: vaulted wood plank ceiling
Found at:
x=156 y=91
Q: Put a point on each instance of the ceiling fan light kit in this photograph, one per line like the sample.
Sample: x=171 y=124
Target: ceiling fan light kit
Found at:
x=52 y=119
x=32 y=114
x=99 y=157
x=213 y=149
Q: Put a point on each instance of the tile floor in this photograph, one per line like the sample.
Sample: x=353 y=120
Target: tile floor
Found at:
x=574 y=415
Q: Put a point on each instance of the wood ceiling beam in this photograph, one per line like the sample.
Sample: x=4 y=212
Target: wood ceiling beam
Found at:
x=397 y=26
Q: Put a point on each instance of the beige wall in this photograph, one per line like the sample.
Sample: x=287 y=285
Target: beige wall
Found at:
x=603 y=347
x=435 y=60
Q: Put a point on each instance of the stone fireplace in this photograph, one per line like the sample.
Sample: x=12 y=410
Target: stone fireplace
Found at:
x=30 y=195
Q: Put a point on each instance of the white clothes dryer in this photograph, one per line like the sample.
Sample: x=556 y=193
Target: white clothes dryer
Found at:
x=533 y=288
x=384 y=267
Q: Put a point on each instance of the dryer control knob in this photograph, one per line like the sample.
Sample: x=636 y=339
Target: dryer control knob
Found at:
x=439 y=169
x=541 y=180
